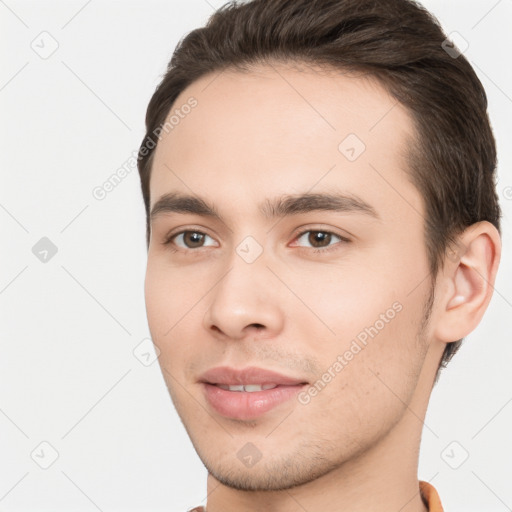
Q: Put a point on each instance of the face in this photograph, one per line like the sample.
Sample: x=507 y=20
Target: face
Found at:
x=300 y=251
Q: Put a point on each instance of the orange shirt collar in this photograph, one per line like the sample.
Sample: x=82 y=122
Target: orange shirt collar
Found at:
x=430 y=497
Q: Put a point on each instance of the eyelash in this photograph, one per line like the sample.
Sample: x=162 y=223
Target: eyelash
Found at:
x=169 y=240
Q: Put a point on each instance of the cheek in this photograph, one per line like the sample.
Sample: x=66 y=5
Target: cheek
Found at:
x=364 y=392
x=371 y=363
x=344 y=302
x=170 y=296
x=158 y=300
x=169 y=304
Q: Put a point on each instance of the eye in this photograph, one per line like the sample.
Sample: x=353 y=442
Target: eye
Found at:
x=189 y=239
x=320 y=240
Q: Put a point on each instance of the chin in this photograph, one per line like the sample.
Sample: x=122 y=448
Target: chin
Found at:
x=273 y=475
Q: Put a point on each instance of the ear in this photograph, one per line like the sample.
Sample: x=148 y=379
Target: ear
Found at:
x=468 y=281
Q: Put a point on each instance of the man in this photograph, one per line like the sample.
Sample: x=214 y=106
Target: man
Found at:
x=323 y=232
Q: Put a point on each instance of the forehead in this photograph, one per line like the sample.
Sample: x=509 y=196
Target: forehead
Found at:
x=281 y=129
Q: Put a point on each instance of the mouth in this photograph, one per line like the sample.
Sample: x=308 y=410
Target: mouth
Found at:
x=247 y=393
x=249 y=388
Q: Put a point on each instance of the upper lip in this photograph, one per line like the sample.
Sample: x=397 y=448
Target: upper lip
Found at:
x=249 y=375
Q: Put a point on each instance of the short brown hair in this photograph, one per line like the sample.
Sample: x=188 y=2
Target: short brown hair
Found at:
x=398 y=42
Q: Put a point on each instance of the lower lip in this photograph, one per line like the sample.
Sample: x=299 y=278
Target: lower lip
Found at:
x=245 y=405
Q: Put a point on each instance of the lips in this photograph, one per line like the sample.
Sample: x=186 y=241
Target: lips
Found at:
x=247 y=393
x=250 y=375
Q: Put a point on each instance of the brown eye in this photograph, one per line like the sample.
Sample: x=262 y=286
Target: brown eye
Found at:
x=190 y=240
x=318 y=239
x=193 y=239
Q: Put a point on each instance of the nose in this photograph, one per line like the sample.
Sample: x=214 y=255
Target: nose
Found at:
x=245 y=302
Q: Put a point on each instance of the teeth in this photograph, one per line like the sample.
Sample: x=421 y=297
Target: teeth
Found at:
x=257 y=387
x=247 y=387
x=235 y=388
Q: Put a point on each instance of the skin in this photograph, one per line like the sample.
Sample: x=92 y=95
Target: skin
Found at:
x=267 y=133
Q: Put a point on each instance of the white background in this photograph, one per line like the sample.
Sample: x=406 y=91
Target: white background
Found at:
x=68 y=374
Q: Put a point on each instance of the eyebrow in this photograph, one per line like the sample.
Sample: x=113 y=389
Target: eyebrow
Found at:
x=175 y=202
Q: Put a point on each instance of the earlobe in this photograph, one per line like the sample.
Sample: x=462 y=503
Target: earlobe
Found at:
x=469 y=280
